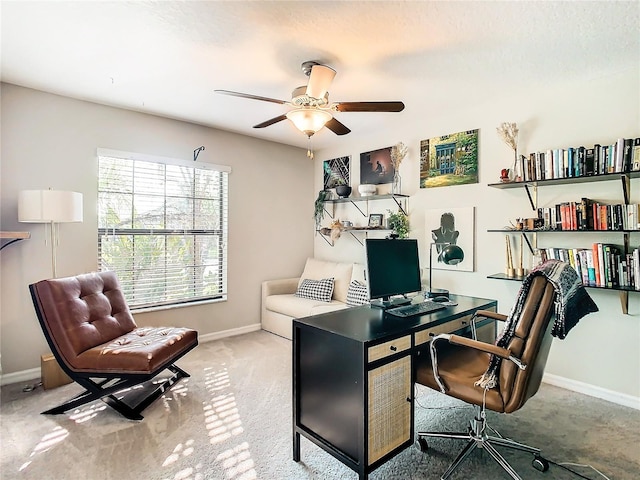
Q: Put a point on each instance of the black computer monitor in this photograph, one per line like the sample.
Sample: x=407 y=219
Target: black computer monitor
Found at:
x=393 y=268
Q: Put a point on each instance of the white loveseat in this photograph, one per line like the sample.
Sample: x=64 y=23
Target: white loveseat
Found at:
x=280 y=306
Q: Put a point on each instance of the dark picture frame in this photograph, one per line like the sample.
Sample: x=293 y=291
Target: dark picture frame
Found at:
x=375 y=220
x=376 y=167
x=335 y=172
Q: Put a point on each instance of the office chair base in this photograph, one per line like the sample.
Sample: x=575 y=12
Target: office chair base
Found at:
x=477 y=437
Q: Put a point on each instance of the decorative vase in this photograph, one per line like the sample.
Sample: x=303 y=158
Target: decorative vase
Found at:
x=396 y=186
x=343 y=191
x=367 y=190
x=513 y=171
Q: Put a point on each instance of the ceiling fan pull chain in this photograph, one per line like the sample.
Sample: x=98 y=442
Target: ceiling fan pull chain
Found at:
x=310 y=149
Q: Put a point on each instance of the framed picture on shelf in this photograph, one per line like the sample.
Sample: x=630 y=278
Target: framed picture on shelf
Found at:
x=375 y=220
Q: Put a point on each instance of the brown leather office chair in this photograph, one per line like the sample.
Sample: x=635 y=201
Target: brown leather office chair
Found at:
x=461 y=362
x=94 y=338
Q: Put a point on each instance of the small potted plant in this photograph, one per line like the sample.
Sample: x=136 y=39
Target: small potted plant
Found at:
x=399 y=223
x=342 y=189
x=318 y=212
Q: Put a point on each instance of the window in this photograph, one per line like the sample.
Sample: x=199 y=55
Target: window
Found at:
x=162 y=227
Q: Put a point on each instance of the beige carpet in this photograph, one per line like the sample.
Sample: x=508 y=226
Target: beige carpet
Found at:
x=232 y=420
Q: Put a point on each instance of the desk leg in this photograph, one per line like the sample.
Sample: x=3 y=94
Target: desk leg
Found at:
x=296 y=447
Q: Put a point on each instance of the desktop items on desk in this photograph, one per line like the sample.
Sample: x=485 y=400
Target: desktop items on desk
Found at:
x=393 y=272
x=393 y=269
x=449 y=254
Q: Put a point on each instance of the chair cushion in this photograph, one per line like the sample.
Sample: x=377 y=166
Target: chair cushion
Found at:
x=459 y=368
x=320 y=290
x=144 y=350
x=82 y=312
x=297 y=307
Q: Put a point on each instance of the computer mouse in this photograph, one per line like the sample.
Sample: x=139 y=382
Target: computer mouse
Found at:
x=440 y=299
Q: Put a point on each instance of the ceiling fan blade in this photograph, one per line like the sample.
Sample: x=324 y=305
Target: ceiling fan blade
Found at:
x=336 y=127
x=249 y=96
x=369 y=106
x=271 y=121
x=319 y=80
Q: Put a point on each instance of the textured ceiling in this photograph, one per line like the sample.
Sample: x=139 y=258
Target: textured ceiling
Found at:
x=167 y=58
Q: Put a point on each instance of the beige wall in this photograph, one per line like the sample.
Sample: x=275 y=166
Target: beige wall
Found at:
x=51 y=141
x=602 y=351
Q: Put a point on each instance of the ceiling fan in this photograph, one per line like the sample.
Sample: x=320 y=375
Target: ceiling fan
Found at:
x=312 y=110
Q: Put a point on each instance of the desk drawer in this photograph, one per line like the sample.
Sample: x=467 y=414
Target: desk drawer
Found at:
x=427 y=334
x=388 y=348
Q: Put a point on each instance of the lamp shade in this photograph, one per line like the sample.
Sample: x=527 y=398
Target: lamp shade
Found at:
x=451 y=254
x=309 y=120
x=46 y=206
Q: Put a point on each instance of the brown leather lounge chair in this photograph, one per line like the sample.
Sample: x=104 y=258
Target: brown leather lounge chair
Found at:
x=456 y=363
x=94 y=338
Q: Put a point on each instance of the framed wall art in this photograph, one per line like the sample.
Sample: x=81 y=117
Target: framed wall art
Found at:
x=376 y=167
x=451 y=225
x=449 y=160
x=336 y=172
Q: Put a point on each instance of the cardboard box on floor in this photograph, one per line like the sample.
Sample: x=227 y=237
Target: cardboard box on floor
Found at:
x=51 y=373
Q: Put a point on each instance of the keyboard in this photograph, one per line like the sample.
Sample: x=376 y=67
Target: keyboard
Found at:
x=416 y=309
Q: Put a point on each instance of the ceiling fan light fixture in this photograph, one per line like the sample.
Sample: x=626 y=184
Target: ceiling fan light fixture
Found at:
x=309 y=120
x=320 y=79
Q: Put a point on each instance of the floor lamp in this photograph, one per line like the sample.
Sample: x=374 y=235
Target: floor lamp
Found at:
x=52 y=207
x=450 y=254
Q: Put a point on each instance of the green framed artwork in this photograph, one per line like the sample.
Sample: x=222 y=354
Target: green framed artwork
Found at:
x=449 y=160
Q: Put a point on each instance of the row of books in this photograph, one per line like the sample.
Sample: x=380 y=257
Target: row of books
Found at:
x=603 y=265
x=620 y=157
x=588 y=214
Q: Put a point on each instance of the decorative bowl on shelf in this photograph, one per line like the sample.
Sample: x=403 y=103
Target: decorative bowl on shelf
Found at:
x=367 y=190
x=343 y=191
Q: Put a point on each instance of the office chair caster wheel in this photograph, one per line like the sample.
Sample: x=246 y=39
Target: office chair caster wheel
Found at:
x=422 y=445
x=540 y=463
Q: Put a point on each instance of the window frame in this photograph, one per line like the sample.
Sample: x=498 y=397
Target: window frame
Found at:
x=221 y=232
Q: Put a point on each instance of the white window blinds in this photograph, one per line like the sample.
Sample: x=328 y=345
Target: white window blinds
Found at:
x=162 y=227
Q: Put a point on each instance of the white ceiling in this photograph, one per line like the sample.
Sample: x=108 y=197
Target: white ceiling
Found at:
x=167 y=58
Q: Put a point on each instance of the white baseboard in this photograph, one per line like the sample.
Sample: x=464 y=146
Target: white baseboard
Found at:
x=22 y=376
x=592 y=390
x=210 y=337
x=34 y=373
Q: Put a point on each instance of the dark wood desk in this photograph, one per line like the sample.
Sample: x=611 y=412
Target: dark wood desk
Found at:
x=353 y=377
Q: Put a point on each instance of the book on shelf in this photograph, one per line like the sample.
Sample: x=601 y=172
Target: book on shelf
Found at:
x=619 y=151
x=623 y=155
x=603 y=265
x=635 y=156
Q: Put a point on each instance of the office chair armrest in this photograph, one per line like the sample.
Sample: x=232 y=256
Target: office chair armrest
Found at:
x=482 y=346
x=489 y=314
x=469 y=343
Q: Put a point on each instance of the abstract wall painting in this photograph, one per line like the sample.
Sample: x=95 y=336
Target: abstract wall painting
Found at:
x=336 y=172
